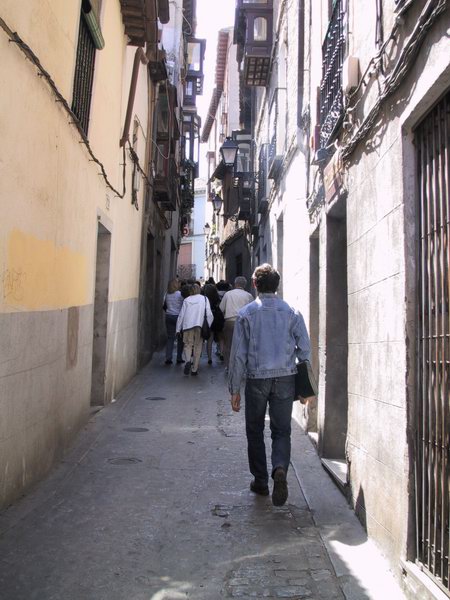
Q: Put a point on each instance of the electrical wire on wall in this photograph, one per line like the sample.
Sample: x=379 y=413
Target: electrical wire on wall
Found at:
x=31 y=56
x=400 y=70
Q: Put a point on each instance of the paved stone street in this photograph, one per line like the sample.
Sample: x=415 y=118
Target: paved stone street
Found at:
x=153 y=503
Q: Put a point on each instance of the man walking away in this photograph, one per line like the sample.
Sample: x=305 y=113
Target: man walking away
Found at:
x=230 y=305
x=268 y=337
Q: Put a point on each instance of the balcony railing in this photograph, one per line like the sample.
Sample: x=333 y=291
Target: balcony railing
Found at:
x=331 y=96
x=277 y=129
x=187 y=271
x=166 y=181
x=262 y=180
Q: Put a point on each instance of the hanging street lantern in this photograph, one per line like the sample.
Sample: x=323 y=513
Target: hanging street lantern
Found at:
x=217 y=202
x=228 y=151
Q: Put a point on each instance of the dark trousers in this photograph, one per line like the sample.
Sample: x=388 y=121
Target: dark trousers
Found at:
x=171 y=326
x=278 y=393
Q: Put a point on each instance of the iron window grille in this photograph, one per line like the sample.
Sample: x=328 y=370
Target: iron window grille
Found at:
x=331 y=95
x=191 y=126
x=277 y=132
x=84 y=74
x=262 y=179
x=432 y=463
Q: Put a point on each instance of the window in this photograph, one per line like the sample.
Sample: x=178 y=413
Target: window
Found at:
x=243 y=159
x=190 y=92
x=277 y=132
x=89 y=38
x=262 y=179
x=333 y=53
x=260 y=29
x=189 y=89
x=162 y=127
x=194 y=56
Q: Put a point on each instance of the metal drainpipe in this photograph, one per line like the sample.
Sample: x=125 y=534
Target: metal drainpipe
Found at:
x=142 y=57
x=139 y=57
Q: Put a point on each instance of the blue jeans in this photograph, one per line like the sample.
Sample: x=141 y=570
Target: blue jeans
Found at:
x=278 y=393
x=171 y=326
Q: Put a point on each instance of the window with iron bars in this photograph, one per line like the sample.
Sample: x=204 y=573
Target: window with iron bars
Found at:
x=84 y=74
x=333 y=54
x=262 y=179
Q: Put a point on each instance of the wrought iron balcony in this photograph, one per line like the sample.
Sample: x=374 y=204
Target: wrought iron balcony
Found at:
x=263 y=202
x=244 y=184
x=191 y=126
x=187 y=181
x=277 y=129
x=331 y=96
x=244 y=209
x=166 y=180
x=187 y=271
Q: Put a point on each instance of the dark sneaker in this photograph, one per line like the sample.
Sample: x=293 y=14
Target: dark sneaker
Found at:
x=168 y=362
x=259 y=488
x=187 y=367
x=280 y=488
x=194 y=373
x=209 y=361
x=180 y=361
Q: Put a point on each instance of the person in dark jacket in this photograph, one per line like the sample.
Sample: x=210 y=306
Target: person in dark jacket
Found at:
x=210 y=291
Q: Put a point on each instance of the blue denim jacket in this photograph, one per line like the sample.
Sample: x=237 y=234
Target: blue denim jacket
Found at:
x=268 y=337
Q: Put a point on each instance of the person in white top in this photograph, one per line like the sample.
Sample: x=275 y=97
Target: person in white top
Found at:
x=231 y=304
x=173 y=301
x=190 y=321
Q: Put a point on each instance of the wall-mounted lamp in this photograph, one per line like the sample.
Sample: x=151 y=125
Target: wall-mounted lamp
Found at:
x=217 y=202
x=207 y=229
x=228 y=151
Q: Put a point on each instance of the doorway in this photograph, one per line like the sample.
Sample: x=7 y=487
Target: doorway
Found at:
x=334 y=408
x=432 y=472
x=314 y=312
x=100 y=329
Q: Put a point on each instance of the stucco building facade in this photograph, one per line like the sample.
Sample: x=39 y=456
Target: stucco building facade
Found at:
x=90 y=233
x=349 y=105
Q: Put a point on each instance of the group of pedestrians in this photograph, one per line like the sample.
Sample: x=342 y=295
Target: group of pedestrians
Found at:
x=188 y=305
x=262 y=341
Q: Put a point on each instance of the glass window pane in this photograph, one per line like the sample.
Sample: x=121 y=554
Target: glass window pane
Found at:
x=260 y=29
x=194 y=56
x=243 y=158
x=189 y=88
x=163 y=114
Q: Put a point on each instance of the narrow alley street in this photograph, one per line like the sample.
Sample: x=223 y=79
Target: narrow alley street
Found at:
x=153 y=503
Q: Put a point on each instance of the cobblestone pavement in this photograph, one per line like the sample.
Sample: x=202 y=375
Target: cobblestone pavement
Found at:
x=153 y=503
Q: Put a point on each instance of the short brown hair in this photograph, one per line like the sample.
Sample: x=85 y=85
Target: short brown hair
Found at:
x=266 y=278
